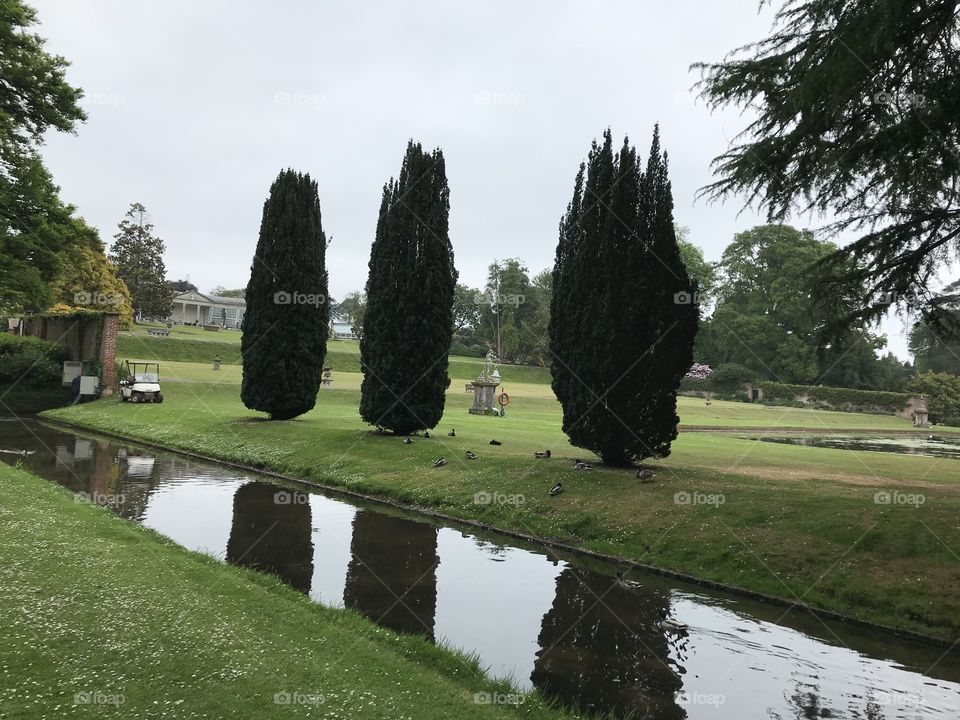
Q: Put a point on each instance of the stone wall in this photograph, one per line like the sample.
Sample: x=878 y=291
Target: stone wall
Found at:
x=78 y=336
x=85 y=338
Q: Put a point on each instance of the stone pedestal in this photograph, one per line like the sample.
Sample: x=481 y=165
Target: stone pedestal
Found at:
x=485 y=388
x=484 y=396
x=916 y=410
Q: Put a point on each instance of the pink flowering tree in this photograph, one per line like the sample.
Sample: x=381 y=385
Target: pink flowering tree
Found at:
x=699 y=371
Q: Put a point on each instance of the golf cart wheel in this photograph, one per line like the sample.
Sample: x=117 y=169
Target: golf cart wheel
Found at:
x=136 y=397
x=158 y=398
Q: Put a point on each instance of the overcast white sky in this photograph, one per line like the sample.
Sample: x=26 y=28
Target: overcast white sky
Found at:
x=194 y=107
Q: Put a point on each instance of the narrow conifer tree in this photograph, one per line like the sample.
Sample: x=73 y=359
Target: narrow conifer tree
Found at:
x=287 y=317
x=679 y=308
x=408 y=324
x=623 y=315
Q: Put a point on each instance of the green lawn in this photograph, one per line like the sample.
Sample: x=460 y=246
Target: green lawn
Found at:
x=796 y=522
x=187 y=354
x=196 y=345
x=185 y=332
x=104 y=618
x=536 y=400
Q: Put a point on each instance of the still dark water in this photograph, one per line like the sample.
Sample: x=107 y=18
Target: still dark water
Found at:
x=931 y=446
x=561 y=624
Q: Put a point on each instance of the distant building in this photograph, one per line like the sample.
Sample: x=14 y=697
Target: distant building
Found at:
x=342 y=330
x=194 y=308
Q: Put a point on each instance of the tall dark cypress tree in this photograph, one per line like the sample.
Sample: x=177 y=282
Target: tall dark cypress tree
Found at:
x=680 y=316
x=287 y=317
x=623 y=319
x=408 y=325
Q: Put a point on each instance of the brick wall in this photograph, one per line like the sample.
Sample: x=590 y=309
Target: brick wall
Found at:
x=108 y=352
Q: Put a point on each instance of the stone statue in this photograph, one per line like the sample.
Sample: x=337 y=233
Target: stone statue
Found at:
x=484 y=387
x=490 y=366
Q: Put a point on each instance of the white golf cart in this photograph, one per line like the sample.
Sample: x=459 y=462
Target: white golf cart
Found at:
x=142 y=383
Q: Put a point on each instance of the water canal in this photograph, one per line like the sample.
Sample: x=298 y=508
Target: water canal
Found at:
x=560 y=623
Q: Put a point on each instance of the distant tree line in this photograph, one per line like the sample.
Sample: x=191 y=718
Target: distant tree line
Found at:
x=510 y=314
x=853 y=114
x=767 y=321
x=762 y=318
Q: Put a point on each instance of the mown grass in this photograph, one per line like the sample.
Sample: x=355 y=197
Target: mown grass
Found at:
x=796 y=522
x=537 y=401
x=104 y=618
x=189 y=351
x=196 y=345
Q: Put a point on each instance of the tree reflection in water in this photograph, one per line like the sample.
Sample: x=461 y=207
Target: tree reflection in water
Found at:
x=271 y=532
x=602 y=649
x=392 y=576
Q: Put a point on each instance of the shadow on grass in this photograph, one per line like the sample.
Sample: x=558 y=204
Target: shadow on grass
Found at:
x=255 y=420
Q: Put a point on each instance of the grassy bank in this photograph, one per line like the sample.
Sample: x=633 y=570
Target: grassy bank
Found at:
x=103 y=617
x=801 y=523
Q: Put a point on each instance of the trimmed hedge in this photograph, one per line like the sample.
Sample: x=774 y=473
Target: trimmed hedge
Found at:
x=809 y=396
x=29 y=361
x=696 y=385
x=834 y=398
x=458 y=348
x=21 y=399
